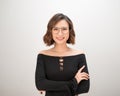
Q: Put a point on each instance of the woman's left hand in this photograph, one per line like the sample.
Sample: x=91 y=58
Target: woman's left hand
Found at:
x=42 y=91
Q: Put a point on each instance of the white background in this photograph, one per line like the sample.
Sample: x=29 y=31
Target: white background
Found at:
x=23 y=24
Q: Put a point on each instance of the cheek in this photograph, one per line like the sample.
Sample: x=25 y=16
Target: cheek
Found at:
x=53 y=36
x=67 y=36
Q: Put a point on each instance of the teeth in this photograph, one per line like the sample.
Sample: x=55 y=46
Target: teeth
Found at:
x=60 y=38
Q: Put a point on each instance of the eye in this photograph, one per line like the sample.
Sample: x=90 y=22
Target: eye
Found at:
x=64 y=28
x=55 y=29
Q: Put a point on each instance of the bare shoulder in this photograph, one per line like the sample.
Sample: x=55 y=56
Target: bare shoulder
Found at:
x=46 y=52
x=76 y=51
x=42 y=51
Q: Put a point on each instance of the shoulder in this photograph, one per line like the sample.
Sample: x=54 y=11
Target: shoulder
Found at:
x=46 y=52
x=80 y=53
x=76 y=51
x=42 y=52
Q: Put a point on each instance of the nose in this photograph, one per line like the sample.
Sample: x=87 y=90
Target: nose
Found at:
x=60 y=32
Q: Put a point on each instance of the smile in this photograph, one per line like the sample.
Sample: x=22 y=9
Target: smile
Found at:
x=59 y=38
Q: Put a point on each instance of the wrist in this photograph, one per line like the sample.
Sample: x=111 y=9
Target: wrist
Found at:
x=76 y=79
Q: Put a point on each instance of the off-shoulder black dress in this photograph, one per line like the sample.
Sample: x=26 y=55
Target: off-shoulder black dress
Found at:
x=55 y=75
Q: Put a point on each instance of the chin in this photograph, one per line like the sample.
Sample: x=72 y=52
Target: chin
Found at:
x=59 y=42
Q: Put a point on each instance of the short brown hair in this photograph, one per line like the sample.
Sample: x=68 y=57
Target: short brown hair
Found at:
x=48 y=40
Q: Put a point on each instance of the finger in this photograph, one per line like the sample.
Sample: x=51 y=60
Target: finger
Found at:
x=84 y=78
x=85 y=73
x=81 y=68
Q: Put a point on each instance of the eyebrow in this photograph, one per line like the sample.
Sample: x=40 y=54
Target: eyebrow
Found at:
x=61 y=27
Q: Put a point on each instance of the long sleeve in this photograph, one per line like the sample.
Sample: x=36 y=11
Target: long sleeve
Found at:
x=84 y=85
x=49 y=85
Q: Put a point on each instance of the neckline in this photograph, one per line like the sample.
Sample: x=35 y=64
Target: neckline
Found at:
x=61 y=56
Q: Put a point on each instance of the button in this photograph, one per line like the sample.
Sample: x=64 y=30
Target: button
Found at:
x=61 y=68
x=61 y=60
x=61 y=64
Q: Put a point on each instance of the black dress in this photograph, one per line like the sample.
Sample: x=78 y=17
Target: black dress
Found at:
x=55 y=75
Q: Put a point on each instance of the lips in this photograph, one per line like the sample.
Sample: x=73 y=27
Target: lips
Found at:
x=59 y=38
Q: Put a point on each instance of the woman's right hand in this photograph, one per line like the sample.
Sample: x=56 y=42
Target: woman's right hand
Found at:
x=81 y=75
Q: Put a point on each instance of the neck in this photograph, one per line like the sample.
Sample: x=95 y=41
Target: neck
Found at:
x=60 y=48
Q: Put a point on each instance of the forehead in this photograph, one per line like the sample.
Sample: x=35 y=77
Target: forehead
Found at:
x=62 y=23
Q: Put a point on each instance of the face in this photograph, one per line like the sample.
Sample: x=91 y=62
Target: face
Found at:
x=60 y=32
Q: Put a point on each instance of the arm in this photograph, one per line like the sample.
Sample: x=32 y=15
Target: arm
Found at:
x=83 y=86
x=49 y=85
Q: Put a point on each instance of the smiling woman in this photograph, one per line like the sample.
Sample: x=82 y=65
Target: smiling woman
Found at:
x=57 y=22
x=60 y=32
x=61 y=70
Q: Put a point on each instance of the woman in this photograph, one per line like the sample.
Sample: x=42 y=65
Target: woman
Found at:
x=61 y=70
